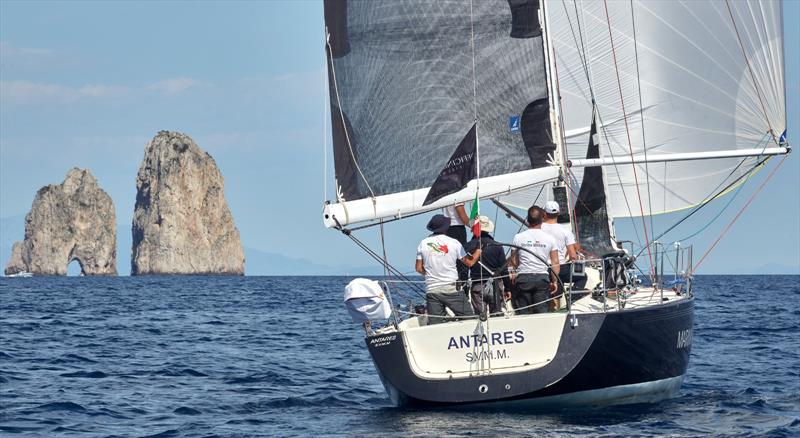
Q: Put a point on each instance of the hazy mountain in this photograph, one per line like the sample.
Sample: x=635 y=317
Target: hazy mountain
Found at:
x=257 y=262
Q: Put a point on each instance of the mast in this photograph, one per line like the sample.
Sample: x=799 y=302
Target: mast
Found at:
x=559 y=157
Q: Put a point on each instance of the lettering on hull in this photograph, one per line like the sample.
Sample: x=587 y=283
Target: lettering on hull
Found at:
x=382 y=341
x=500 y=338
x=684 y=338
x=484 y=355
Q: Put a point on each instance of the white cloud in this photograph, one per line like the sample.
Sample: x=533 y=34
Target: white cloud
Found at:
x=27 y=92
x=175 y=85
x=9 y=50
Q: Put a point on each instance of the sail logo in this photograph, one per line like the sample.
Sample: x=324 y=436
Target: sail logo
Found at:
x=684 y=338
x=455 y=163
x=513 y=123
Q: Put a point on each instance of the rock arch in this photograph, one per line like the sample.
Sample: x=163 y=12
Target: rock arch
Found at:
x=74 y=220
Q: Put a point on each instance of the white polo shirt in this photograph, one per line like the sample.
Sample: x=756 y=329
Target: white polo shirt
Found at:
x=563 y=237
x=439 y=254
x=539 y=243
x=450 y=211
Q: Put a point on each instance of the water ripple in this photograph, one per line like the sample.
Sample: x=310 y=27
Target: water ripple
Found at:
x=250 y=356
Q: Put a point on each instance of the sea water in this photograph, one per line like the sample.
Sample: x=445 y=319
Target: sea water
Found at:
x=278 y=356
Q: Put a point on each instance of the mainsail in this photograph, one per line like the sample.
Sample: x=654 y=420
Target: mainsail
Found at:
x=407 y=80
x=700 y=76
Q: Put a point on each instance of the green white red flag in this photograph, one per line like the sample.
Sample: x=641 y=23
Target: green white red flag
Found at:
x=475 y=223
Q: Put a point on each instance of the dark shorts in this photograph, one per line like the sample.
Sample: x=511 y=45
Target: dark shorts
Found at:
x=440 y=297
x=578 y=282
x=531 y=289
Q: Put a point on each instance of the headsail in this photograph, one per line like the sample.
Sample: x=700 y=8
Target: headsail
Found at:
x=696 y=76
x=403 y=93
x=591 y=211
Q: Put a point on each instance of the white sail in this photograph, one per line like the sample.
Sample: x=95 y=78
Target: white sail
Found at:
x=710 y=77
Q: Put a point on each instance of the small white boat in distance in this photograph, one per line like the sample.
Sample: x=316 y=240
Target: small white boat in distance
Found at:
x=23 y=274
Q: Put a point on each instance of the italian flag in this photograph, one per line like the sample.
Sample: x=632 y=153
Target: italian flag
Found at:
x=475 y=223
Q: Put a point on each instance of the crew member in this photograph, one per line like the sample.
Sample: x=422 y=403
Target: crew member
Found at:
x=458 y=221
x=534 y=283
x=436 y=261
x=565 y=241
x=492 y=263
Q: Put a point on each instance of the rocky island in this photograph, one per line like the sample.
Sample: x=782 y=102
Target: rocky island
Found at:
x=181 y=221
x=74 y=220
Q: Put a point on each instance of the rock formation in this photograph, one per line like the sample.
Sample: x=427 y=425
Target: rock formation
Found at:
x=74 y=220
x=181 y=222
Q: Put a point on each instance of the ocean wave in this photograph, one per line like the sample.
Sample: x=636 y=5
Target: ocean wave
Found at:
x=205 y=356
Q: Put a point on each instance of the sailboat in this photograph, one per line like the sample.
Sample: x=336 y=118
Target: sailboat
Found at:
x=623 y=109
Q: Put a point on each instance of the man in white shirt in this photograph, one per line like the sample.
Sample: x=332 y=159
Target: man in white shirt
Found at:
x=459 y=219
x=437 y=255
x=565 y=240
x=536 y=255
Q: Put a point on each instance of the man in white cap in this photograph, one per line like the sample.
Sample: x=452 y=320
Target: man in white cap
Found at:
x=565 y=241
x=492 y=264
x=437 y=255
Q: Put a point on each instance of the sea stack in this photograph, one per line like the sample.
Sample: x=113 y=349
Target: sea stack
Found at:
x=74 y=220
x=181 y=223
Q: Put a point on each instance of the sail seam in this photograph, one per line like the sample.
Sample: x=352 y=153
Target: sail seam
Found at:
x=641 y=117
x=586 y=67
x=716 y=193
x=628 y=133
x=752 y=76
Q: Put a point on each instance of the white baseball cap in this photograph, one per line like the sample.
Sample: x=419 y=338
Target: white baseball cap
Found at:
x=551 y=207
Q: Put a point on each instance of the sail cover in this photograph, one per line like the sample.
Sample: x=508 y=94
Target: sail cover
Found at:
x=710 y=77
x=402 y=91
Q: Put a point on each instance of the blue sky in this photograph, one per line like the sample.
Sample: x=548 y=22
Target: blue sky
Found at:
x=87 y=84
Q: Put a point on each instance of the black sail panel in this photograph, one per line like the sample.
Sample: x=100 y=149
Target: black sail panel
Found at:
x=459 y=170
x=401 y=71
x=591 y=213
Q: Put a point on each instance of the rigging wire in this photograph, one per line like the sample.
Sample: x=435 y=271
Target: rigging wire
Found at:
x=325 y=107
x=475 y=114
x=394 y=271
x=385 y=258
x=752 y=76
x=641 y=117
x=748 y=174
x=718 y=215
x=585 y=64
x=705 y=202
x=741 y=210
x=341 y=114
x=628 y=133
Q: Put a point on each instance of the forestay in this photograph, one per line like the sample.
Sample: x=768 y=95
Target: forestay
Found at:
x=404 y=94
x=698 y=87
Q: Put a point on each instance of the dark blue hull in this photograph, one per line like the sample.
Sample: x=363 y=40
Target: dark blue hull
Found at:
x=615 y=357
